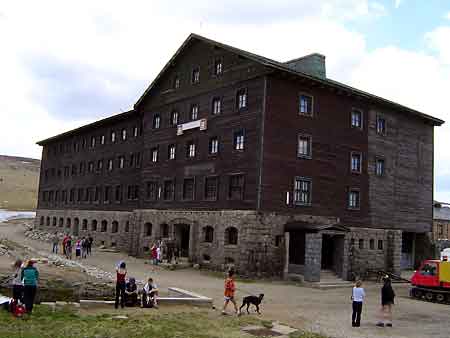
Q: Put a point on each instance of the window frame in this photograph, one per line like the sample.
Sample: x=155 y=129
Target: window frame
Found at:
x=242 y=193
x=383 y=132
x=380 y=159
x=174 y=117
x=205 y=187
x=358 y=206
x=235 y=143
x=188 y=149
x=153 y=151
x=213 y=140
x=361 y=120
x=195 y=75
x=194 y=107
x=304 y=156
x=171 y=147
x=352 y=153
x=216 y=99
x=238 y=99
x=156 y=121
x=306 y=114
x=183 y=192
x=218 y=61
x=299 y=202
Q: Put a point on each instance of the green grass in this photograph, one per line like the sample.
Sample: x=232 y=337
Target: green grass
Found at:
x=67 y=323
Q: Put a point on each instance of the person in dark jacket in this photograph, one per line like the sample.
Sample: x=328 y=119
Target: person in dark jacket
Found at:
x=131 y=293
x=30 y=277
x=387 y=301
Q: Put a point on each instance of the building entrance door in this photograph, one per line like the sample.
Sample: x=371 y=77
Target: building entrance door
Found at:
x=182 y=237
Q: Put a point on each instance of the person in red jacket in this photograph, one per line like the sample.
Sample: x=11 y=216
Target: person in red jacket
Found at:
x=230 y=288
x=121 y=272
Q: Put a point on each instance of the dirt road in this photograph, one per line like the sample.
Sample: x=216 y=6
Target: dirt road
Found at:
x=327 y=312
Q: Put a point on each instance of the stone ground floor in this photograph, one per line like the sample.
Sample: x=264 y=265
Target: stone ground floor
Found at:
x=256 y=244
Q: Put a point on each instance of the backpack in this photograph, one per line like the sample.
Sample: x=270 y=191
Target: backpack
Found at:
x=17 y=308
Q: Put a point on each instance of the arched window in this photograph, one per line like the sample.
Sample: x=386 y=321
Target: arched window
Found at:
x=127 y=226
x=54 y=221
x=208 y=234
x=231 y=236
x=148 y=229
x=68 y=223
x=115 y=227
x=76 y=221
x=94 y=225
x=361 y=243
x=372 y=244
x=164 y=230
x=84 y=224
x=104 y=226
x=48 y=221
x=61 y=222
x=42 y=221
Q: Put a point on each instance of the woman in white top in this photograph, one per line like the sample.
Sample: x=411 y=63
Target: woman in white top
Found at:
x=358 y=295
x=17 y=281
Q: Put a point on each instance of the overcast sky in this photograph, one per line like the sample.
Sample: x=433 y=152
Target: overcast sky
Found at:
x=64 y=64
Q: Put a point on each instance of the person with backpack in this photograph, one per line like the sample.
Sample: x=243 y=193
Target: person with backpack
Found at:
x=30 y=277
x=358 y=295
x=387 y=301
x=121 y=272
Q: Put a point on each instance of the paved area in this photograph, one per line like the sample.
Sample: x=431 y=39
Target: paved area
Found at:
x=326 y=312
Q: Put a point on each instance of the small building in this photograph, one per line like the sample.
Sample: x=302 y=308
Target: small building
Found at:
x=239 y=159
x=441 y=221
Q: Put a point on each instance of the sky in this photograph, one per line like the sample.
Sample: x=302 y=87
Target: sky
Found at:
x=67 y=63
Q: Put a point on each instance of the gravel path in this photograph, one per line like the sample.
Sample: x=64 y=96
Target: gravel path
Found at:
x=327 y=312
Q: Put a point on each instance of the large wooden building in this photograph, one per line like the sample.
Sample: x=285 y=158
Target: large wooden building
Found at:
x=240 y=159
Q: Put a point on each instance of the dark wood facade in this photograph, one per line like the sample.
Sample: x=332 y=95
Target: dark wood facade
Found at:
x=267 y=164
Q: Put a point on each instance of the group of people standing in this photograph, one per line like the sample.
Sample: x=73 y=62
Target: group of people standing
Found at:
x=24 y=283
x=83 y=246
x=127 y=293
x=162 y=250
x=387 y=302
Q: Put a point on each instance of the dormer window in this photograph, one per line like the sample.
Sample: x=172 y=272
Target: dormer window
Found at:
x=196 y=75
x=218 y=67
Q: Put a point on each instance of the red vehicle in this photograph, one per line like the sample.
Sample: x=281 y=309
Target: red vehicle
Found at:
x=432 y=281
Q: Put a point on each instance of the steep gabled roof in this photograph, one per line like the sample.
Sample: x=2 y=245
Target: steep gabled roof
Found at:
x=275 y=65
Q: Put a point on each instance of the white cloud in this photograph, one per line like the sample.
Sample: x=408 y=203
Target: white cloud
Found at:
x=439 y=40
x=448 y=15
x=398 y=3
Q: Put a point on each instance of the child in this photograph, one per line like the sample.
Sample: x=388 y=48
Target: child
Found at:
x=387 y=301
x=230 y=288
x=358 y=295
x=121 y=271
x=78 y=249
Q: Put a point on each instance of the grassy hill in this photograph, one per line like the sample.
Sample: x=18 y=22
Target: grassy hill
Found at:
x=19 y=179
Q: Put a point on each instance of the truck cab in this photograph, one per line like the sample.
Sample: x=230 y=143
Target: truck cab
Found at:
x=432 y=274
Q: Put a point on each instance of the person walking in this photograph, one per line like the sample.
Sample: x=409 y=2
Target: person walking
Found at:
x=69 y=247
x=89 y=245
x=64 y=244
x=121 y=272
x=17 y=283
x=230 y=288
x=78 y=249
x=154 y=254
x=158 y=254
x=30 y=277
x=84 y=246
x=358 y=295
x=387 y=302
x=55 y=242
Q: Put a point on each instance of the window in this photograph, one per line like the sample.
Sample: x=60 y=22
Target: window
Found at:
x=61 y=222
x=188 y=189
x=241 y=101
x=99 y=165
x=121 y=162
x=172 y=151
x=218 y=67
x=115 y=227
x=236 y=187
x=156 y=121
x=164 y=230
x=110 y=165
x=74 y=170
x=278 y=240
x=208 y=234
x=440 y=230
x=231 y=236
x=106 y=194
x=372 y=244
x=361 y=244
x=306 y=104
x=355 y=162
x=135 y=131
x=154 y=153
x=97 y=194
x=429 y=269
x=190 y=149
x=118 y=193
x=88 y=195
x=127 y=226
x=124 y=134
x=213 y=145
x=211 y=188
x=302 y=191
x=176 y=82
x=90 y=167
x=133 y=192
x=92 y=141
x=94 y=225
x=380 y=244
x=194 y=112
x=379 y=168
x=196 y=75
x=82 y=168
x=353 y=199
x=72 y=195
x=64 y=196
x=356 y=119
x=54 y=221
x=56 y=196
x=152 y=190
x=216 y=106
x=381 y=125
x=83 y=143
x=102 y=139
x=304 y=146
x=148 y=229
x=104 y=226
x=169 y=190
x=66 y=171
x=80 y=195
x=174 y=118
x=138 y=160
x=50 y=196
x=239 y=140
x=113 y=136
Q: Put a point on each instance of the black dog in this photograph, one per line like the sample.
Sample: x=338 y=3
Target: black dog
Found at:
x=252 y=300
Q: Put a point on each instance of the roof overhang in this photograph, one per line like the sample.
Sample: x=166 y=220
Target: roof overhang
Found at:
x=314 y=227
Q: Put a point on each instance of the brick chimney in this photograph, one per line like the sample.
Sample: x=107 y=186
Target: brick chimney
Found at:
x=312 y=64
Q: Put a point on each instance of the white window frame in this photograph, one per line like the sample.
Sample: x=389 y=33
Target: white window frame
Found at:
x=356 y=155
x=217 y=106
x=361 y=118
x=303 y=108
x=194 y=112
x=379 y=172
x=191 y=150
x=300 y=149
x=242 y=98
x=354 y=203
x=155 y=155
x=301 y=195
x=383 y=130
x=213 y=145
x=172 y=152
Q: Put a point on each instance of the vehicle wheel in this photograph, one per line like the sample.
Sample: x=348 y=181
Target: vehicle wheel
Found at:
x=429 y=296
x=417 y=294
x=440 y=298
